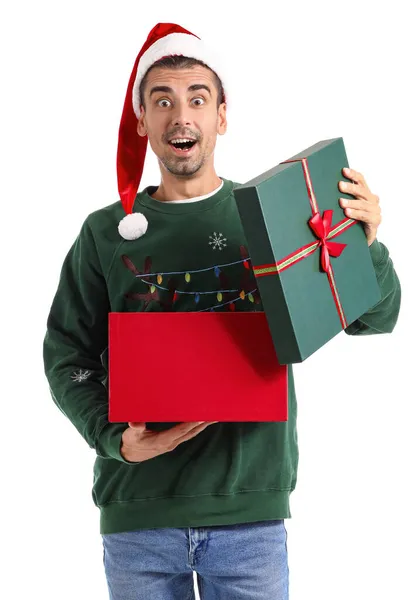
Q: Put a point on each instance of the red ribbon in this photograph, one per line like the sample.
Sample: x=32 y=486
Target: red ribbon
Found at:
x=321 y=227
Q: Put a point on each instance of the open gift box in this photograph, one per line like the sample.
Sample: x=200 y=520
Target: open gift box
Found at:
x=194 y=366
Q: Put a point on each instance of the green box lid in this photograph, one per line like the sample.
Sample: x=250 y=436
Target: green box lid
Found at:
x=275 y=209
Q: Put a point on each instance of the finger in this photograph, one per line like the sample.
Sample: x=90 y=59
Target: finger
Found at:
x=200 y=425
x=137 y=425
x=355 y=176
x=373 y=210
x=356 y=204
x=363 y=215
x=171 y=435
x=189 y=435
x=355 y=189
x=193 y=423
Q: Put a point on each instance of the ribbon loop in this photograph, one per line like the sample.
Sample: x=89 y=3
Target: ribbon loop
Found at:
x=335 y=248
x=321 y=227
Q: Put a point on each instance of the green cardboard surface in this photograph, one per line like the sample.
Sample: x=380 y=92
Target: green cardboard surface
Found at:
x=275 y=209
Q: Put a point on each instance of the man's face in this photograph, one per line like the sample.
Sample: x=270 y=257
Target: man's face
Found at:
x=180 y=112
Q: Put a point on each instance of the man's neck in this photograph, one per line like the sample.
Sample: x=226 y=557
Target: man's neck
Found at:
x=182 y=189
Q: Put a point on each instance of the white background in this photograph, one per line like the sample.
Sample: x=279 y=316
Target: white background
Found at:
x=299 y=72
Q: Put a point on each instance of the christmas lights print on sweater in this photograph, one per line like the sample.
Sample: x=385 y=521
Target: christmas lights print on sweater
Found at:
x=168 y=288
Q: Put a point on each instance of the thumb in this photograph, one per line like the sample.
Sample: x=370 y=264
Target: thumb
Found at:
x=134 y=425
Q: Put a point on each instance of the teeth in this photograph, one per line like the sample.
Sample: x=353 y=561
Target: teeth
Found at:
x=181 y=140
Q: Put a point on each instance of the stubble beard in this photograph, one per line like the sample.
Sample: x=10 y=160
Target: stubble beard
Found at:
x=183 y=167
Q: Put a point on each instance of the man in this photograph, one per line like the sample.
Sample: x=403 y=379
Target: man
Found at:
x=204 y=497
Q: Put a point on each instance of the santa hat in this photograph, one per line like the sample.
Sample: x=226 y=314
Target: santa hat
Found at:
x=165 y=39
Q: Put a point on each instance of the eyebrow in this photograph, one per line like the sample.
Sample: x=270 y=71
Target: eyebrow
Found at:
x=192 y=88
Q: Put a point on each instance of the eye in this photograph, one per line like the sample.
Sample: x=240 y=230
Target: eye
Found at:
x=162 y=100
x=199 y=98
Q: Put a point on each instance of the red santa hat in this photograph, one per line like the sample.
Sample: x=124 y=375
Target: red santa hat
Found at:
x=165 y=39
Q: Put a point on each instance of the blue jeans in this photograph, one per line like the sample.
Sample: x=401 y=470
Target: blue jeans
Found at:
x=233 y=562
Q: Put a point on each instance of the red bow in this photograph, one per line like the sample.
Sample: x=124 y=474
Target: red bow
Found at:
x=321 y=227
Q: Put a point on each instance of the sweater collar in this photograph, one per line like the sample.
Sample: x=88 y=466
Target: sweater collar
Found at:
x=145 y=199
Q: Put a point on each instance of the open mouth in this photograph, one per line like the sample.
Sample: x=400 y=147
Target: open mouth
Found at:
x=182 y=147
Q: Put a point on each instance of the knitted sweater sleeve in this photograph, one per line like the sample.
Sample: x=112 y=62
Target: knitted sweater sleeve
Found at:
x=382 y=317
x=76 y=336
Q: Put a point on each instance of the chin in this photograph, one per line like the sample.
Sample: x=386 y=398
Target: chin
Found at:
x=182 y=167
x=185 y=171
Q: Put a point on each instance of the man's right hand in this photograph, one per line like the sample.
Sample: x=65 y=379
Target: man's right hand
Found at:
x=139 y=444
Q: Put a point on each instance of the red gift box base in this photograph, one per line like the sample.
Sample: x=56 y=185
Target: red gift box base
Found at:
x=208 y=366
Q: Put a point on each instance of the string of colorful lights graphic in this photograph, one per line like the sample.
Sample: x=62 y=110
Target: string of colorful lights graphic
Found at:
x=187 y=277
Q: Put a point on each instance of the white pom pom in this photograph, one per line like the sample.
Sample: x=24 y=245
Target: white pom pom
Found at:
x=133 y=226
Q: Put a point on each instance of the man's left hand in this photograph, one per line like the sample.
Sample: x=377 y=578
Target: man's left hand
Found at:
x=366 y=208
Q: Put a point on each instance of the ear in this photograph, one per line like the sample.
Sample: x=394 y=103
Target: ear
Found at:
x=141 y=126
x=222 y=119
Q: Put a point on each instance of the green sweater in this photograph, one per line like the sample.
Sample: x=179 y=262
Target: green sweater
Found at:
x=232 y=472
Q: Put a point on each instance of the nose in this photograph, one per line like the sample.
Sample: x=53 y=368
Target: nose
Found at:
x=181 y=115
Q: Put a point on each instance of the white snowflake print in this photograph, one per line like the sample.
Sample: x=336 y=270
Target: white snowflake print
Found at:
x=217 y=240
x=80 y=375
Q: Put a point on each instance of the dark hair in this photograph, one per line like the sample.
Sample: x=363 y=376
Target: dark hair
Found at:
x=180 y=62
